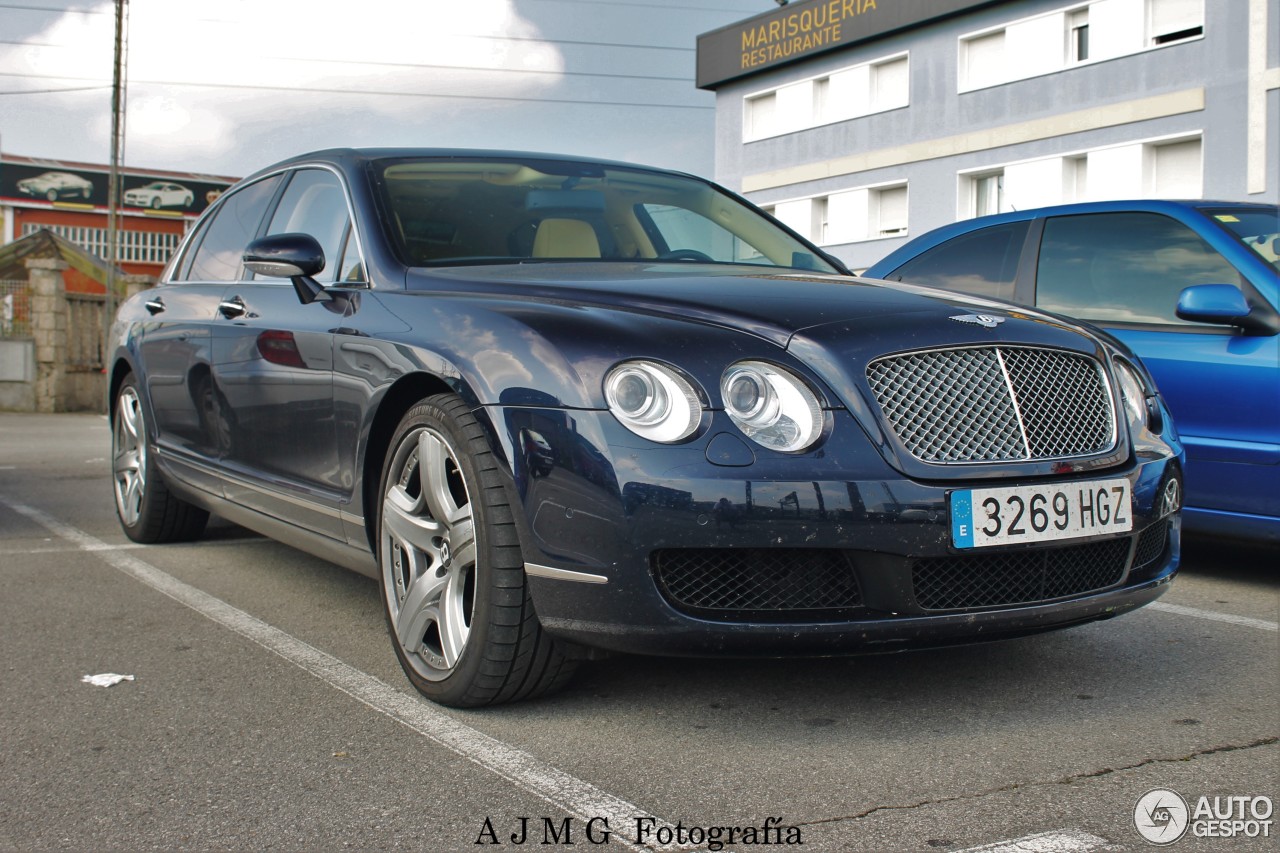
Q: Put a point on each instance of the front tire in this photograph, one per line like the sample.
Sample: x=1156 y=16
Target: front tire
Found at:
x=147 y=510
x=454 y=589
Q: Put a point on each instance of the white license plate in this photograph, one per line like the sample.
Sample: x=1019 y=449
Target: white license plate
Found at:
x=983 y=517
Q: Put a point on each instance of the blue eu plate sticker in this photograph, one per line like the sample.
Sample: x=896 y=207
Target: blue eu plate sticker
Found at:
x=962 y=519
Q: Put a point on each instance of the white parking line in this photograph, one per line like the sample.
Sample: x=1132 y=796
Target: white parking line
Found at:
x=1179 y=610
x=1059 y=841
x=556 y=787
x=127 y=546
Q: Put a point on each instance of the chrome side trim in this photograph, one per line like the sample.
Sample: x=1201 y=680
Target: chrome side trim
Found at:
x=562 y=574
x=313 y=501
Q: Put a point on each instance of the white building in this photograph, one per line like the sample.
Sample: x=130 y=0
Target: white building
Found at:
x=862 y=123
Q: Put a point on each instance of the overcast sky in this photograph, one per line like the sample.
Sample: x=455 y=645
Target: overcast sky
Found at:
x=224 y=87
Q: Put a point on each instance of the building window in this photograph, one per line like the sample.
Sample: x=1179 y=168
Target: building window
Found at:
x=851 y=216
x=1158 y=168
x=761 y=112
x=984 y=60
x=988 y=193
x=1174 y=169
x=890 y=85
x=1174 y=20
x=846 y=94
x=821 y=219
x=1078 y=35
x=889 y=206
x=1088 y=32
x=1076 y=178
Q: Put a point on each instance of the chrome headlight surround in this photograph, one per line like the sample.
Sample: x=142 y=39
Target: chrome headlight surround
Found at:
x=1133 y=394
x=653 y=400
x=1137 y=396
x=772 y=406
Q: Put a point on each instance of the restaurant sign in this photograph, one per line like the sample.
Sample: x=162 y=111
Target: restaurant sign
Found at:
x=804 y=29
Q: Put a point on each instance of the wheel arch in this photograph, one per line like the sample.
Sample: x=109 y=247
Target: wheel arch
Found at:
x=403 y=395
x=119 y=371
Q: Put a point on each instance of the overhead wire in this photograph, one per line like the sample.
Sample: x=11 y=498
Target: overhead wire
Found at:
x=376 y=92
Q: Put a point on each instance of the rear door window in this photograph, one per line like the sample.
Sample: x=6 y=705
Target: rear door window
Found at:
x=1123 y=267
x=983 y=263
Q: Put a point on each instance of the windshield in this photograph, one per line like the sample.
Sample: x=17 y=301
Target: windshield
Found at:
x=453 y=212
x=1257 y=228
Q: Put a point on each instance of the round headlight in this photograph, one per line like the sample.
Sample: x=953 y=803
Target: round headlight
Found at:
x=771 y=406
x=653 y=401
x=1132 y=392
x=748 y=395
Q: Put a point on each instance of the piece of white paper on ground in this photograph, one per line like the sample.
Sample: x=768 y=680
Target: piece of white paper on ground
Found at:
x=106 y=679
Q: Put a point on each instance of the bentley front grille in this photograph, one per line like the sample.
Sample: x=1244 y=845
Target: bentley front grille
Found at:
x=995 y=404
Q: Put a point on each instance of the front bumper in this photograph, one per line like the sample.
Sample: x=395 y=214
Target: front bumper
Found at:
x=691 y=550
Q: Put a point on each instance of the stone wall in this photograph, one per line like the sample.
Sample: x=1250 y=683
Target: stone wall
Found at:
x=59 y=368
x=49 y=332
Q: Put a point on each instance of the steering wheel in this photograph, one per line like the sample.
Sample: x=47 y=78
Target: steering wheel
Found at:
x=685 y=255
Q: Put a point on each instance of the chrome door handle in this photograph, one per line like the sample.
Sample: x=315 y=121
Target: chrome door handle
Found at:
x=233 y=307
x=155 y=306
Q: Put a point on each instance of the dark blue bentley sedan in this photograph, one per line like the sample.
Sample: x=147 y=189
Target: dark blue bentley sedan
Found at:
x=1192 y=287
x=557 y=406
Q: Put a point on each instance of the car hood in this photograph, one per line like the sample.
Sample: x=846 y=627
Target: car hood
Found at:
x=802 y=311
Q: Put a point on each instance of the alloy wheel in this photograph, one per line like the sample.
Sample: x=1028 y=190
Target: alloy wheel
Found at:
x=129 y=457
x=428 y=553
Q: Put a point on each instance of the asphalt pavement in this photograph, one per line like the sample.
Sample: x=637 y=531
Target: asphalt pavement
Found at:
x=266 y=711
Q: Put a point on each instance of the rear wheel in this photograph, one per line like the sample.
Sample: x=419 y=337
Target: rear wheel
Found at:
x=147 y=510
x=457 y=602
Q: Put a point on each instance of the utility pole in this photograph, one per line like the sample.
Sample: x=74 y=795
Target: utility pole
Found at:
x=113 y=182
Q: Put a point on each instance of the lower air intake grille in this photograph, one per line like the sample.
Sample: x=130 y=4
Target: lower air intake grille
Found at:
x=1151 y=545
x=1019 y=577
x=757 y=583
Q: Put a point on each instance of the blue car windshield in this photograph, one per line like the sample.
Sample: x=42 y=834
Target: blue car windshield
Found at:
x=457 y=212
x=1257 y=228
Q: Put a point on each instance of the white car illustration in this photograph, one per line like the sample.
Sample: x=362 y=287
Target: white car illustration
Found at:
x=56 y=185
x=158 y=194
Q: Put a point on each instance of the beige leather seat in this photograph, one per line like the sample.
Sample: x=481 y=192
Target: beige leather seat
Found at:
x=565 y=238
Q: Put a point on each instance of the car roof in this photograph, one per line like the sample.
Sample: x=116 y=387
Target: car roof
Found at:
x=351 y=156
x=943 y=233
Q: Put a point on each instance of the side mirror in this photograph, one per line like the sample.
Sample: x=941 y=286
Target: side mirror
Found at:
x=296 y=257
x=1212 y=303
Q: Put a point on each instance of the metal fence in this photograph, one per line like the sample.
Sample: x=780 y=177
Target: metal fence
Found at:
x=15 y=309
x=85 y=331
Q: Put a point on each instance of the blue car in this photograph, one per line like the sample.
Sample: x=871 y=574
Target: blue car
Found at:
x=1191 y=286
